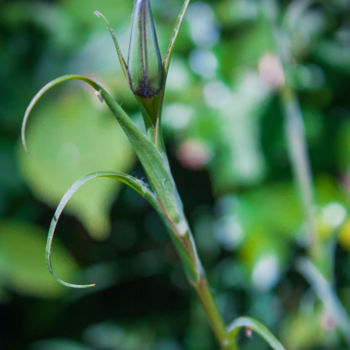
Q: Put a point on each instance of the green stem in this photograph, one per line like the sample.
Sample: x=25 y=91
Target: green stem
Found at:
x=294 y=124
x=298 y=153
x=183 y=241
x=216 y=322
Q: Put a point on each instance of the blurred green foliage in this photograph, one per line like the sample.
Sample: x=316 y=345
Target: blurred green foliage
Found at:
x=20 y=240
x=226 y=138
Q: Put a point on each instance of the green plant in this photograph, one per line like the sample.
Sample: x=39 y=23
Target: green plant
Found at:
x=146 y=73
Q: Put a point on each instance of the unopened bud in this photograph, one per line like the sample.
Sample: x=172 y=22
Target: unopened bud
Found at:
x=144 y=62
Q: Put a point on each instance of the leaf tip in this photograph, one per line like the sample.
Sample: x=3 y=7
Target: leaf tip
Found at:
x=72 y=285
x=23 y=137
x=91 y=285
x=24 y=144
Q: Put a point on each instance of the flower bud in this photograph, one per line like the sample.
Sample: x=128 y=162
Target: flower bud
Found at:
x=144 y=62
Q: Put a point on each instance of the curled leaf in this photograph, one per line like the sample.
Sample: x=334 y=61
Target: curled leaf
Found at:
x=252 y=324
x=137 y=185
x=42 y=91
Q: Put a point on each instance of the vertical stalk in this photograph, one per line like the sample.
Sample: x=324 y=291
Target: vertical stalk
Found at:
x=297 y=147
x=294 y=125
x=295 y=132
x=183 y=241
x=215 y=319
x=195 y=274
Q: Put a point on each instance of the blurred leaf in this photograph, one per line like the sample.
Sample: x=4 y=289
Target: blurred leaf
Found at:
x=10 y=180
x=198 y=334
x=256 y=206
x=252 y=43
x=328 y=189
x=236 y=12
x=68 y=138
x=230 y=121
x=301 y=327
x=334 y=54
x=111 y=336
x=343 y=144
x=308 y=27
x=83 y=11
x=58 y=344
x=344 y=235
x=241 y=161
x=22 y=260
x=327 y=295
x=270 y=218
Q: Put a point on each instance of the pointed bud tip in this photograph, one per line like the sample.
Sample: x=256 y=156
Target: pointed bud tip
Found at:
x=140 y=2
x=97 y=14
x=144 y=60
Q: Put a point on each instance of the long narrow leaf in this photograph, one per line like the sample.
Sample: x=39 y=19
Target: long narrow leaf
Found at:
x=155 y=165
x=256 y=326
x=138 y=185
x=115 y=41
x=175 y=33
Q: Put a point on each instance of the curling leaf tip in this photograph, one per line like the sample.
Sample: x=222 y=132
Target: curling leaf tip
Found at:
x=256 y=326
x=138 y=185
x=41 y=92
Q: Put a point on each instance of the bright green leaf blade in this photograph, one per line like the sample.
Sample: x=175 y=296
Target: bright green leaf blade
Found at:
x=154 y=163
x=138 y=185
x=175 y=33
x=115 y=41
x=259 y=328
x=70 y=137
x=22 y=258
